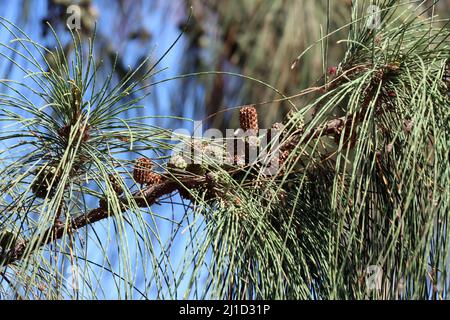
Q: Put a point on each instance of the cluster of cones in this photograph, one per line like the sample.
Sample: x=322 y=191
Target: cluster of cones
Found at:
x=143 y=171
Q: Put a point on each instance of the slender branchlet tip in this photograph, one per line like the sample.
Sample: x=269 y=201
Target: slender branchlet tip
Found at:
x=248 y=118
x=76 y=97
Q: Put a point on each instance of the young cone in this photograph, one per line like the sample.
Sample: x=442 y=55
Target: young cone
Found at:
x=248 y=118
x=117 y=187
x=153 y=178
x=142 y=172
x=42 y=184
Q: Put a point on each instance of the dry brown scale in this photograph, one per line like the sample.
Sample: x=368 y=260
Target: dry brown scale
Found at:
x=103 y=203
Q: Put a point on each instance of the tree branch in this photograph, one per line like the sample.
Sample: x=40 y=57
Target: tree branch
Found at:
x=143 y=198
x=150 y=195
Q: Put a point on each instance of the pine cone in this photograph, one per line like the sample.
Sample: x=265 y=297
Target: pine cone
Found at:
x=115 y=182
x=248 y=118
x=42 y=184
x=83 y=131
x=177 y=162
x=142 y=172
x=153 y=178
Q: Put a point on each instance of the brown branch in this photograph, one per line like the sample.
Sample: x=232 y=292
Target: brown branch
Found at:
x=150 y=195
x=143 y=198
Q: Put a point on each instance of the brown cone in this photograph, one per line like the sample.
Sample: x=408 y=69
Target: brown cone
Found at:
x=248 y=118
x=153 y=178
x=83 y=131
x=42 y=184
x=117 y=187
x=142 y=171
